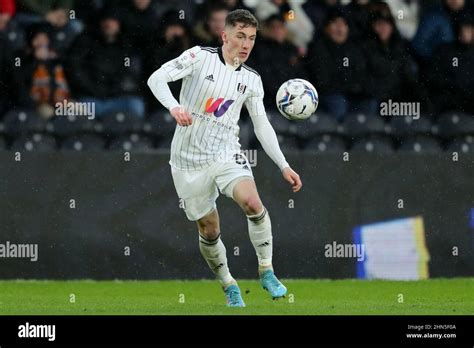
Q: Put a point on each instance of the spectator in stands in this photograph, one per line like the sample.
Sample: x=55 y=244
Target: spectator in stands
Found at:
x=391 y=71
x=358 y=16
x=275 y=57
x=235 y=4
x=188 y=10
x=100 y=69
x=406 y=13
x=7 y=11
x=8 y=89
x=208 y=32
x=42 y=75
x=231 y=5
x=437 y=27
x=451 y=74
x=300 y=27
x=317 y=12
x=55 y=12
x=174 y=37
x=339 y=69
x=9 y=29
x=140 y=23
x=8 y=6
x=87 y=11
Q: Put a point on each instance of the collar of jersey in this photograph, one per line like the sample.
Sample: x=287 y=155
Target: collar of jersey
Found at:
x=221 y=57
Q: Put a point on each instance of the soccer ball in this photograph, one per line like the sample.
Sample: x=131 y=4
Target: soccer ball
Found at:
x=297 y=99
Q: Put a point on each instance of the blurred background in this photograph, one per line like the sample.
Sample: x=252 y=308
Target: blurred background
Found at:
x=87 y=188
x=103 y=52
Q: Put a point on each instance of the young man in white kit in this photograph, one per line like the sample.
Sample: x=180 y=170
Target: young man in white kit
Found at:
x=205 y=150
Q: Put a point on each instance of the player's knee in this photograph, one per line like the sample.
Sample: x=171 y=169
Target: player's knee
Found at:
x=252 y=205
x=209 y=229
x=210 y=232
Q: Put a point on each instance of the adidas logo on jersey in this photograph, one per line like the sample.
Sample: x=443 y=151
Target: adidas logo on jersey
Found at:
x=210 y=78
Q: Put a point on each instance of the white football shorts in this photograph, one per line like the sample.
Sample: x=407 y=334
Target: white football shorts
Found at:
x=199 y=189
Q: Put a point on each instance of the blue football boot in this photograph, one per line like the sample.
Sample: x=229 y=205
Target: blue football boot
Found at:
x=271 y=283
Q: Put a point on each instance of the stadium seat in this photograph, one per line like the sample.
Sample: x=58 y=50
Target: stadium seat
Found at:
x=118 y=123
x=452 y=124
x=360 y=124
x=407 y=126
x=376 y=143
x=462 y=144
x=70 y=125
x=280 y=124
x=288 y=143
x=3 y=143
x=16 y=38
x=83 y=142
x=160 y=123
x=326 y=143
x=319 y=123
x=35 y=142
x=23 y=121
x=420 y=143
x=163 y=144
x=132 y=142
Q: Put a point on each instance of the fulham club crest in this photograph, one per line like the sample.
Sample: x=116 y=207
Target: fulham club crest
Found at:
x=241 y=88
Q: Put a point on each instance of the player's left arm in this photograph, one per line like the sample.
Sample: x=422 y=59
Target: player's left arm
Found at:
x=267 y=137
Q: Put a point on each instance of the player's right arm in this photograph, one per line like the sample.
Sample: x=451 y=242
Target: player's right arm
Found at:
x=181 y=67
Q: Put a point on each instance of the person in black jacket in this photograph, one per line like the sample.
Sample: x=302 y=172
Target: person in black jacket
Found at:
x=101 y=69
x=208 y=31
x=358 y=14
x=140 y=22
x=276 y=58
x=172 y=38
x=391 y=71
x=7 y=77
x=338 y=69
x=451 y=77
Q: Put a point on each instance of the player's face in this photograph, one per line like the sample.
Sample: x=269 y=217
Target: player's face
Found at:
x=239 y=41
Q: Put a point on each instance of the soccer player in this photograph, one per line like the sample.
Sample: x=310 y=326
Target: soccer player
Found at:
x=205 y=150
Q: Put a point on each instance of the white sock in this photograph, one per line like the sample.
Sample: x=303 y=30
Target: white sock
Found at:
x=260 y=232
x=214 y=253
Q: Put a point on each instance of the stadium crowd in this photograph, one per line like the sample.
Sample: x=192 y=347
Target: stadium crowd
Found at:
x=358 y=54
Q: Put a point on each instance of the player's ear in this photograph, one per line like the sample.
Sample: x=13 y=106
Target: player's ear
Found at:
x=224 y=36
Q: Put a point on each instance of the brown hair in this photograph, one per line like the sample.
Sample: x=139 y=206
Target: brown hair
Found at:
x=241 y=16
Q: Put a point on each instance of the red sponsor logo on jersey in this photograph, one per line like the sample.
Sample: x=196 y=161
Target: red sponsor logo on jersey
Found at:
x=214 y=106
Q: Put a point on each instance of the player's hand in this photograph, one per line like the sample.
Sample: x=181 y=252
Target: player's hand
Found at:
x=293 y=178
x=182 y=117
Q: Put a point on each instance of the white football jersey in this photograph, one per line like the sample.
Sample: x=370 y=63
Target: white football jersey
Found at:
x=213 y=93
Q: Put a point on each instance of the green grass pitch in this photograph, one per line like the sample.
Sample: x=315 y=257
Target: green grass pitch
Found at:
x=204 y=297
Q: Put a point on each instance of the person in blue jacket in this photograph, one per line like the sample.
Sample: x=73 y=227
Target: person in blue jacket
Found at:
x=437 y=27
